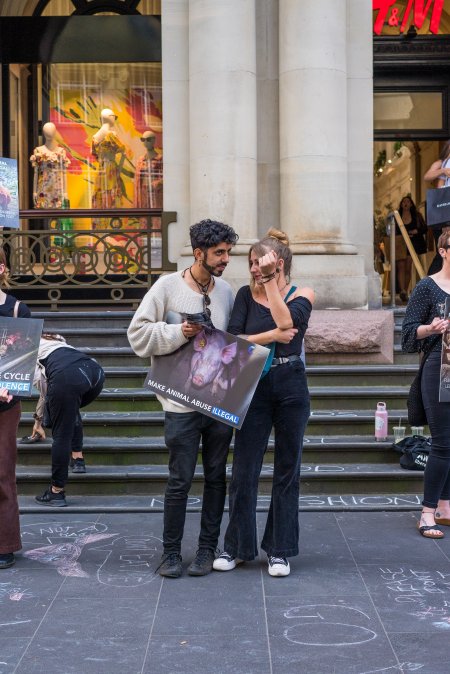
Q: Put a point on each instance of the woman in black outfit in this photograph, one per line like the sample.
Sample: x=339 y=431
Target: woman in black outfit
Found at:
x=9 y=420
x=422 y=330
x=417 y=230
x=270 y=311
x=67 y=380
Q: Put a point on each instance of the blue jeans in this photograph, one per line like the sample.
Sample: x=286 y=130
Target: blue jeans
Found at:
x=281 y=400
x=183 y=432
x=437 y=471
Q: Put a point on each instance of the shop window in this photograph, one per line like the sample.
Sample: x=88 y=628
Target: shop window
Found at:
x=408 y=110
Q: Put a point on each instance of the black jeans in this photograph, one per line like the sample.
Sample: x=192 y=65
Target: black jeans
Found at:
x=281 y=400
x=437 y=471
x=183 y=432
x=69 y=389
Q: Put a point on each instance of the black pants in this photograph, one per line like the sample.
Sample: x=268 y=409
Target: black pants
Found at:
x=437 y=472
x=182 y=436
x=281 y=400
x=68 y=390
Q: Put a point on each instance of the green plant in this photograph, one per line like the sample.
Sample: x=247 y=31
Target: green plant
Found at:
x=380 y=162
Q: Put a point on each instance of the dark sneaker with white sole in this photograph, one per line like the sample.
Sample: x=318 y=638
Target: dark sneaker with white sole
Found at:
x=170 y=566
x=77 y=465
x=49 y=498
x=7 y=560
x=203 y=562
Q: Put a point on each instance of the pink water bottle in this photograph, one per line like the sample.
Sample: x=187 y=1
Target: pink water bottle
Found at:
x=381 y=422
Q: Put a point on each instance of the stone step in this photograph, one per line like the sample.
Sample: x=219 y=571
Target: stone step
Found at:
x=65 y=320
x=141 y=424
x=133 y=376
x=151 y=479
x=129 y=503
x=152 y=450
x=322 y=397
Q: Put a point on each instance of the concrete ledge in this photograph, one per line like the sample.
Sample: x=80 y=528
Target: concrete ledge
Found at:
x=345 y=336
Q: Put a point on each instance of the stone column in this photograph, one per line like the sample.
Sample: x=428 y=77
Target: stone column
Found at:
x=223 y=147
x=175 y=92
x=313 y=150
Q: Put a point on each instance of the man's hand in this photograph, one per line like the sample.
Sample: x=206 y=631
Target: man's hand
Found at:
x=191 y=329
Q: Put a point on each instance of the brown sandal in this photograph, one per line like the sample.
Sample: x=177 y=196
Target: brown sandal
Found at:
x=442 y=520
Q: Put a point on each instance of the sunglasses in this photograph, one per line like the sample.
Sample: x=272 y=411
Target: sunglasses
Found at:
x=206 y=303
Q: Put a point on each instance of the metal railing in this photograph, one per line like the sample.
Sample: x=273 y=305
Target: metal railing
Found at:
x=111 y=262
x=394 y=218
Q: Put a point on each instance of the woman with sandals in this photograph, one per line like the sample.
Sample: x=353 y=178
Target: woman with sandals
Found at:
x=274 y=313
x=422 y=330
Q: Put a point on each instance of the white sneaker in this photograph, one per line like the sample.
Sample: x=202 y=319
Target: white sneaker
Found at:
x=226 y=562
x=279 y=566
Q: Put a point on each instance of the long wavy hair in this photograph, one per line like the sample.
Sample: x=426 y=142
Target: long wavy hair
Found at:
x=4 y=276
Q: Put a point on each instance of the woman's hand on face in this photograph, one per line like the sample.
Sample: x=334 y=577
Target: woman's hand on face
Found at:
x=5 y=395
x=438 y=326
x=267 y=263
x=284 y=336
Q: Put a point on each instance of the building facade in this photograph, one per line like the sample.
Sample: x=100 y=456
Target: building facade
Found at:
x=262 y=113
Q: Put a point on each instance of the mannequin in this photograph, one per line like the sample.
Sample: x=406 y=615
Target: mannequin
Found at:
x=106 y=146
x=50 y=164
x=148 y=180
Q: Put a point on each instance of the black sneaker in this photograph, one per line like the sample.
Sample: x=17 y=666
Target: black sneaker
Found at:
x=170 y=566
x=7 y=560
x=77 y=465
x=49 y=498
x=203 y=562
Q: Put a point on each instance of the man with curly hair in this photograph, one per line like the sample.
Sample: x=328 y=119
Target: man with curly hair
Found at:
x=197 y=289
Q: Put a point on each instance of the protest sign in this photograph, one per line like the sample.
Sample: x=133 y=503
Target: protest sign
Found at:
x=444 y=382
x=215 y=373
x=19 y=343
x=9 y=193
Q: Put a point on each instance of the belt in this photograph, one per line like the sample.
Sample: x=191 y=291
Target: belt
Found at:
x=286 y=359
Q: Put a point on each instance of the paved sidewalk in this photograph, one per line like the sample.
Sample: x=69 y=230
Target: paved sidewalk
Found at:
x=367 y=594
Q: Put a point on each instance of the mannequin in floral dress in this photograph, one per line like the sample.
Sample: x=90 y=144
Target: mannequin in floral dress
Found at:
x=148 y=179
x=106 y=147
x=50 y=164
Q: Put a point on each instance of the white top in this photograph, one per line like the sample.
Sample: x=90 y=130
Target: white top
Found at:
x=149 y=334
x=446 y=179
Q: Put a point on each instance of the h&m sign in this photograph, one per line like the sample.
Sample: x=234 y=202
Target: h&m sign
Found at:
x=419 y=10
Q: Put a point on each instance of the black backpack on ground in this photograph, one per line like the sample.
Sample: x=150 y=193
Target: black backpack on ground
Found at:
x=414 y=452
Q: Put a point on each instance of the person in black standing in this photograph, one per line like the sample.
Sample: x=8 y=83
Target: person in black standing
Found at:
x=10 y=410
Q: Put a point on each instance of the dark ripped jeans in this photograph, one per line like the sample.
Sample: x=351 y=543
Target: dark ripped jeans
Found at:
x=281 y=400
x=437 y=471
x=183 y=432
x=75 y=386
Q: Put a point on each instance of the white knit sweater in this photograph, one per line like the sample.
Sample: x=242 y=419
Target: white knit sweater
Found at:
x=149 y=334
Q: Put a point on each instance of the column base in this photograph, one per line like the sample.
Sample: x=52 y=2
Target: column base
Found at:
x=339 y=281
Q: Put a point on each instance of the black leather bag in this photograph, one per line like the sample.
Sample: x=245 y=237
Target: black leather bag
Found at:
x=438 y=206
x=414 y=452
x=414 y=403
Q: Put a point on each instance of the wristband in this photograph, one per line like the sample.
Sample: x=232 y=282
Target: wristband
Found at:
x=268 y=278
x=37 y=417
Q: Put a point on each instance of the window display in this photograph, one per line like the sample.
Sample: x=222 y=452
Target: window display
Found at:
x=50 y=163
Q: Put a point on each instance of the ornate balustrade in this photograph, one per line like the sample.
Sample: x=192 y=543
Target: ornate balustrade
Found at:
x=74 y=256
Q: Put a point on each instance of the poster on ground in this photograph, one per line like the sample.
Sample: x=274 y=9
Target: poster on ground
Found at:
x=19 y=343
x=215 y=373
x=9 y=193
x=444 y=384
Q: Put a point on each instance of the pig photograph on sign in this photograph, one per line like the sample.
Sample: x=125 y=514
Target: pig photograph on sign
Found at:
x=214 y=373
x=19 y=343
